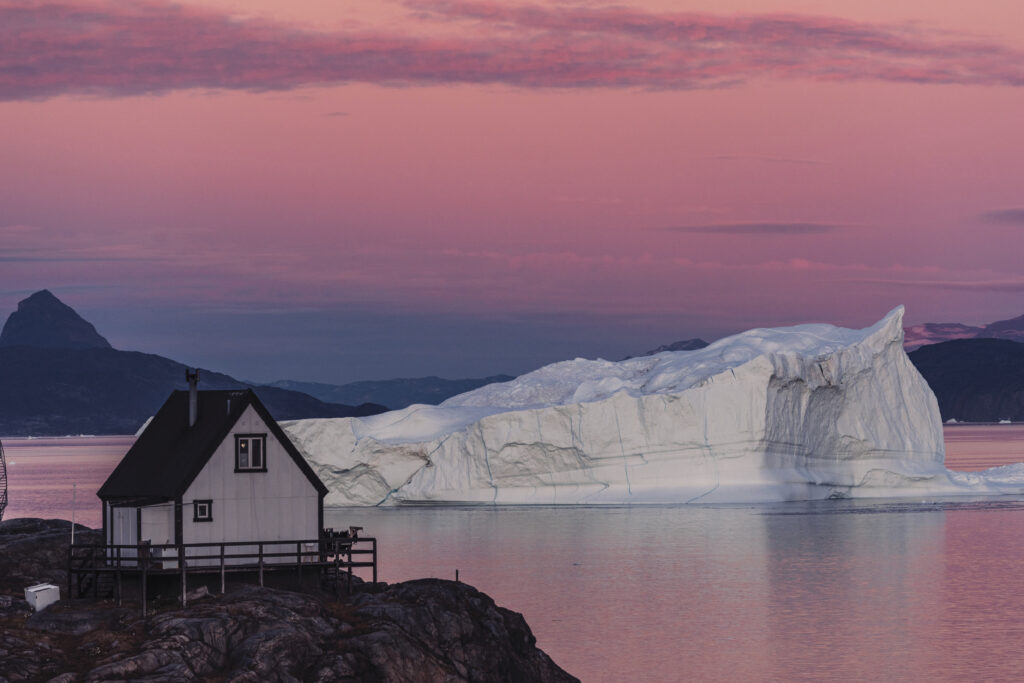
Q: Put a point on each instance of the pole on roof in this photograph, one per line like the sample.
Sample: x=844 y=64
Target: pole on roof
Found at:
x=192 y=376
x=74 y=499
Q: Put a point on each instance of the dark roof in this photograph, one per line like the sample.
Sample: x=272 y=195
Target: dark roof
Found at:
x=169 y=454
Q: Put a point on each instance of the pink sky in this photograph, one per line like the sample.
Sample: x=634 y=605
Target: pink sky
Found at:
x=603 y=178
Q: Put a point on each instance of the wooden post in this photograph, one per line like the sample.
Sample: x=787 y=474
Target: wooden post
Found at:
x=222 y=569
x=181 y=564
x=261 y=563
x=374 y=547
x=71 y=556
x=145 y=566
x=117 y=564
x=350 y=567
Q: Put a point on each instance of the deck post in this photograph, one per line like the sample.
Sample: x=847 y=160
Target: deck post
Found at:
x=181 y=563
x=374 y=547
x=145 y=566
x=261 y=563
x=71 y=555
x=117 y=564
x=350 y=567
x=222 y=569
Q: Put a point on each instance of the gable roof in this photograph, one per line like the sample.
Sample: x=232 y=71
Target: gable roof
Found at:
x=169 y=454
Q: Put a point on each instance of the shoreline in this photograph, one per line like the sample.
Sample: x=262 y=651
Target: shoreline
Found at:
x=424 y=629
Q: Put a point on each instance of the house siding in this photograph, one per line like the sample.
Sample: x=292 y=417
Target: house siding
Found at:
x=279 y=504
x=158 y=523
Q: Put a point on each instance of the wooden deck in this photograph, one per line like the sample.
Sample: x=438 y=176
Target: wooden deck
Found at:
x=95 y=569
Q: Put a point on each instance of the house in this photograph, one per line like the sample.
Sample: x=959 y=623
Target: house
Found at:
x=211 y=467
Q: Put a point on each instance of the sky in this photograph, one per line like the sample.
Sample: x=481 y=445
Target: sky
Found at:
x=341 y=190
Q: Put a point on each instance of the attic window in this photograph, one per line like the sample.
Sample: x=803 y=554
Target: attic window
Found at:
x=202 y=511
x=250 y=453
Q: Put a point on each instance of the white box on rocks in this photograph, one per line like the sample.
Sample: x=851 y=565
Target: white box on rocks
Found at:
x=41 y=595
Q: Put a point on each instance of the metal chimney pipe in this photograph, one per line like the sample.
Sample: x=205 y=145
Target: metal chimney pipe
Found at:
x=193 y=395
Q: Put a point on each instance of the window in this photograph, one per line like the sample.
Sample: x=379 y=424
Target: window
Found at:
x=202 y=511
x=250 y=453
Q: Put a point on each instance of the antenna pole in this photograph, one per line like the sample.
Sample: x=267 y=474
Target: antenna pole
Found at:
x=74 y=499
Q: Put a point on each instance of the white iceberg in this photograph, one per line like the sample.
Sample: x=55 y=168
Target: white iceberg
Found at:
x=796 y=413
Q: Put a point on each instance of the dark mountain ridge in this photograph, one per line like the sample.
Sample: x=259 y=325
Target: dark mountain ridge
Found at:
x=73 y=384
x=44 y=321
x=1005 y=329
x=975 y=380
x=393 y=393
x=684 y=345
x=916 y=336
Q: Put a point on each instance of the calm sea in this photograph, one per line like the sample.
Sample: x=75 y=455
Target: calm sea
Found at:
x=846 y=590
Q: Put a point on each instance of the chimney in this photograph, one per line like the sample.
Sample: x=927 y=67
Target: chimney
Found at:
x=193 y=395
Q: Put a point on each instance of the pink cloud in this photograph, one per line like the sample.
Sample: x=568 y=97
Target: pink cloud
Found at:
x=118 y=49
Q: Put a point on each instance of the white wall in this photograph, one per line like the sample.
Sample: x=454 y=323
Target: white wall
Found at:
x=279 y=504
x=124 y=526
x=158 y=523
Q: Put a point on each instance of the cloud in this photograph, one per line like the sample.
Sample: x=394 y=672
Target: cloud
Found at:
x=1006 y=285
x=764 y=160
x=1005 y=216
x=759 y=228
x=67 y=259
x=107 y=48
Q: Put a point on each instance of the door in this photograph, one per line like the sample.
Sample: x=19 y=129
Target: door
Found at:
x=126 y=529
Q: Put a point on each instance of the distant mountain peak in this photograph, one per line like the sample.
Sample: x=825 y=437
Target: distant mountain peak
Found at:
x=44 y=321
x=1006 y=329
x=684 y=345
x=916 y=336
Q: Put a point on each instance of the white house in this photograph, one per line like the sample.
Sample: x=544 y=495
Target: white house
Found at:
x=212 y=467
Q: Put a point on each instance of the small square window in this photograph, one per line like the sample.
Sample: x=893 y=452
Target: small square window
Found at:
x=202 y=511
x=250 y=452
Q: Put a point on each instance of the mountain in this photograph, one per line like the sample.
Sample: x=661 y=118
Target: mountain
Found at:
x=1012 y=329
x=44 y=321
x=393 y=393
x=52 y=382
x=684 y=345
x=975 y=380
x=916 y=336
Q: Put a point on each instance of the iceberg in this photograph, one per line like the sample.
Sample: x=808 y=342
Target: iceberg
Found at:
x=795 y=413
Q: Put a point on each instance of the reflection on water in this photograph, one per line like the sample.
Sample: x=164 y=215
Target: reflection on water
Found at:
x=850 y=590
x=971 y=447
x=800 y=591
x=42 y=474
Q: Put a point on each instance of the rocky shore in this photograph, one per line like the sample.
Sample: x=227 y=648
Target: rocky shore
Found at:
x=425 y=630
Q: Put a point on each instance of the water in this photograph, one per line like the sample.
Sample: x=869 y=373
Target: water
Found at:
x=42 y=474
x=853 y=590
x=971 y=447
x=801 y=591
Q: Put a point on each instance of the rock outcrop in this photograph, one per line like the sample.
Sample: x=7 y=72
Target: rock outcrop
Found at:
x=427 y=630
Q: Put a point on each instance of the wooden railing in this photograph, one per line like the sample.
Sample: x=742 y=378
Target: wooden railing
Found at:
x=3 y=482
x=89 y=564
